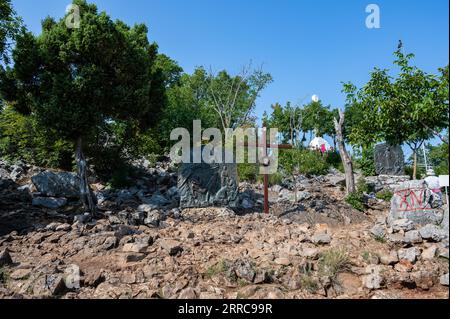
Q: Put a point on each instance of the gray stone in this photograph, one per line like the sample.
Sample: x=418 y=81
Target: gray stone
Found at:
x=16 y=172
x=412 y=201
x=63 y=227
x=432 y=232
x=153 y=218
x=402 y=224
x=187 y=293
x=429 y=253
x=389 y=259
x=49 y=202
x=62 y=184
x=410 y=254
x=172 y=247
x=135 y=247
x=444 y=280
x=373 y=280
x=124 y=195
x=156 y=201
x=4 y=174
x=244 y=269
x=378 y=231
x=321 y=238
x=396 y=238
x=109 y=243
x=389 y=160
x=83 y=218
x=413 y=237
x=247 y=203
x=173 y=192
x=205 y=185
x=5 y=258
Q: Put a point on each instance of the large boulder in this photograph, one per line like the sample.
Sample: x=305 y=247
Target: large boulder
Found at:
x=61 y=184
x=413 y=201
x=49 y=202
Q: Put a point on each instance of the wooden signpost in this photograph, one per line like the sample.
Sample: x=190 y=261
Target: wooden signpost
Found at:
x=266 y=162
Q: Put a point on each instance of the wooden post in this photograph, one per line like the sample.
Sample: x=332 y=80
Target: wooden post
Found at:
x=263 y=143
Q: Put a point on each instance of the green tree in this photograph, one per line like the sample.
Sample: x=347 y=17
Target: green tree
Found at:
x=395 y=109
x=77 y=81
x=10 y=25
x=233 y=98
x=318 y=119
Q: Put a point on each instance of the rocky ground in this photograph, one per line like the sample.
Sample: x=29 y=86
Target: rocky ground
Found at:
x=142 y=246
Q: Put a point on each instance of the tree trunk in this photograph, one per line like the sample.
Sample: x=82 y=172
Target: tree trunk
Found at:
x=85 y=191
x=415 y=165
x=346 y=159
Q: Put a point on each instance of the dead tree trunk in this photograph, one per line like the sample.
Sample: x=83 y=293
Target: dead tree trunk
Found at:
x=415 y=165
x=346 y=159
x=85 y=191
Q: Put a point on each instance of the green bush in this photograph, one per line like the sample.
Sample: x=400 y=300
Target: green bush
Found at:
x=20 y=139
x=385 y=195
x=333 y=159
x=364 y=160
x=248 y=172
x=303 y=161
x=362 y=186
x=355 y=200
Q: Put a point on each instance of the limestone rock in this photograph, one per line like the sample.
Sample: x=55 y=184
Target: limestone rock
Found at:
x=171 y=246
x=49 y=202
x=62 y=184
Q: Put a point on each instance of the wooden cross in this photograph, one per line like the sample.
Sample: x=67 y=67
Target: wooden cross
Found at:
x=266 y=162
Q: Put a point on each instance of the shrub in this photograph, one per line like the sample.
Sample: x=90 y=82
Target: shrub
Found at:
x=364 y=160
x=332 y=262
x=385 y=195
x=333 y=159
x=303 y=161
x=355 y=200
x=20 y=139
x=248 y=172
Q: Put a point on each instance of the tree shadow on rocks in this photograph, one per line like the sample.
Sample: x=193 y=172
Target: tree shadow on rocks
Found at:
x=17 y=214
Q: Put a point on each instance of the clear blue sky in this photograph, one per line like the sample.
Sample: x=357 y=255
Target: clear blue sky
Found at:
x=308 y=46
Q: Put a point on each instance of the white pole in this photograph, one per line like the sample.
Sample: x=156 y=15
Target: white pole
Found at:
x=425 y=157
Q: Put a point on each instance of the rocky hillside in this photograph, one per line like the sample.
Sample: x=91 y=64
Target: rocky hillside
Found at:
x=142 y=246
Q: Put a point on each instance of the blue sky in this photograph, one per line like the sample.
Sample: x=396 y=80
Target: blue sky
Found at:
x=308 y=46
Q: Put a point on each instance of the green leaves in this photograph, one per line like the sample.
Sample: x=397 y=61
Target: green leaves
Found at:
x=74 y=80
x=398 y=110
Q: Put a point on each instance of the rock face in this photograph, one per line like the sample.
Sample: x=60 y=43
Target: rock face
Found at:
x=385 y=182
x=63 y=184
x=412 y=200
x=49 y=202
x=389 y=160
x=204 y=185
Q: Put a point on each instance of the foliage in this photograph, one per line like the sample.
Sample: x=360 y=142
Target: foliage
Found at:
x=10 y=26
x=333 y=159
x=332 y=262
x=356 y=199
x=409 y=108
x=248 y=172
x=385 y=195
x=21 y=139
x=233 y=98
x=294 y=122
x=364 y=160
x=303 y=161
x=438 y=157
x=82 y=82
